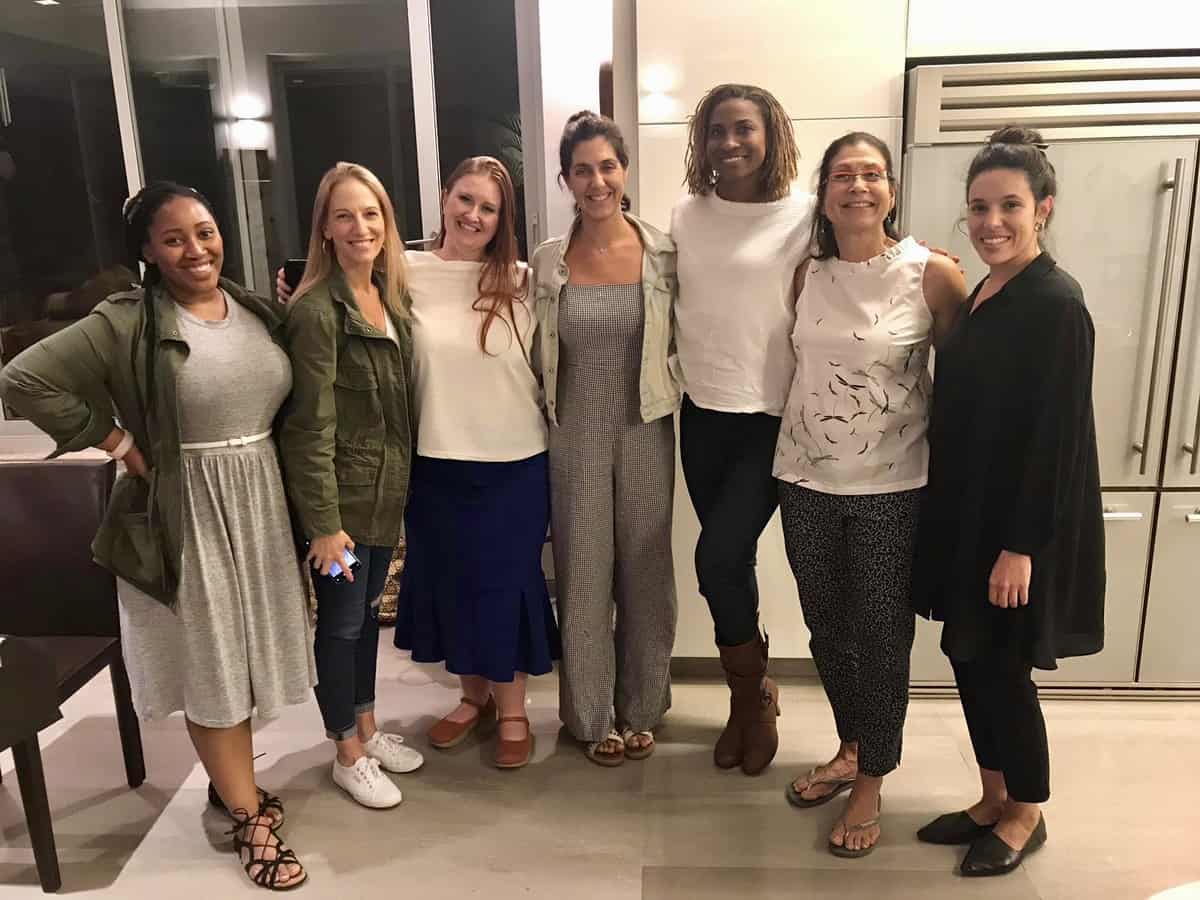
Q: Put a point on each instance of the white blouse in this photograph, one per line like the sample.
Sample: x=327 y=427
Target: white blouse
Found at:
x=859 y=405
x=470 y=405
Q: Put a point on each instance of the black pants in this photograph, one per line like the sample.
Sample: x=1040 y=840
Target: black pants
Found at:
x=346 y=643
x=727 y=461
x=852 y=558
x=1004 y=717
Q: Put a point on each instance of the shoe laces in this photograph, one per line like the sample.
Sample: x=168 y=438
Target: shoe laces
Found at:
x=370 y=773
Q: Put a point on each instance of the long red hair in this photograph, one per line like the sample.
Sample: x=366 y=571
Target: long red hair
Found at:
x=501 y=284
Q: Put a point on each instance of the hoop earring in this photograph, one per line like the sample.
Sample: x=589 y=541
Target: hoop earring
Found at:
x=1038 y=226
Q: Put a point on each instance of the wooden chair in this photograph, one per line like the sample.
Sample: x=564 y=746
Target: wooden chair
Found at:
x=64 y=607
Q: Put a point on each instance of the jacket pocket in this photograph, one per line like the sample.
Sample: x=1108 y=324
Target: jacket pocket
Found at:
x=137 y=552
x=352 y=466
x=359 y=407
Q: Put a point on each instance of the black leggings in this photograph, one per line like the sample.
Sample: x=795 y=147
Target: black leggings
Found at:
x=727 y=461
x=1000 y=701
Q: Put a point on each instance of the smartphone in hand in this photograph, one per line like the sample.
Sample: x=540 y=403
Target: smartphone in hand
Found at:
x=293 y=271
x=337 y=573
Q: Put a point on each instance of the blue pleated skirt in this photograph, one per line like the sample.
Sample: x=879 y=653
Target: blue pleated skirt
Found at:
x=473 y=593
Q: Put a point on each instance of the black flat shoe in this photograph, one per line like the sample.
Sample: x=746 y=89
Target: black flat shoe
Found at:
x=991 y=856
x=953 y=828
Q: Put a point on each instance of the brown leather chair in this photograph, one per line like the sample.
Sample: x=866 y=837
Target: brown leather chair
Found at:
x=65 y=606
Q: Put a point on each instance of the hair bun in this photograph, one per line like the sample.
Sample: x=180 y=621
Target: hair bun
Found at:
x=582 y=114
x=1017 y=134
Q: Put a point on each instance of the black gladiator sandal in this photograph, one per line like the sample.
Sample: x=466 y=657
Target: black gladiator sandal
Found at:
x=268 y=870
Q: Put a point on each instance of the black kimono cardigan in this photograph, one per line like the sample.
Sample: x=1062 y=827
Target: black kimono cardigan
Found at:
x=1013 y=466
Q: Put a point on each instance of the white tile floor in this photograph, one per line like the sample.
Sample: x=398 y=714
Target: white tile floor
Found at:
x=1123 y=822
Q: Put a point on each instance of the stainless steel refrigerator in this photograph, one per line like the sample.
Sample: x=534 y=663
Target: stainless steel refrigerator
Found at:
x=1124 y=137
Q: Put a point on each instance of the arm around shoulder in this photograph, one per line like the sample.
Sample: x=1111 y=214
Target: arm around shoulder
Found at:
x=945 y=292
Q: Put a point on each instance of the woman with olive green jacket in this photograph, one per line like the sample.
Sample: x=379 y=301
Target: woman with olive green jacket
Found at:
x=181 y=378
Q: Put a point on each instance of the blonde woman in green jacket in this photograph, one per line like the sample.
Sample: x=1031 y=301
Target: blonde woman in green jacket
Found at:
x=603 y=298
x=347 y=441
x=213 y=618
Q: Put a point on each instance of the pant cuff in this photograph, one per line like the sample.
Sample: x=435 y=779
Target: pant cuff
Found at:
x=343 y=735
x=366 y=706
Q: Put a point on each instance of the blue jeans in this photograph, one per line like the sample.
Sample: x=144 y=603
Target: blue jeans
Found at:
x=347 y=641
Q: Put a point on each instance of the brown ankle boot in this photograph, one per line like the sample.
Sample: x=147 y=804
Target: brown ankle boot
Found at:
x=750 y=737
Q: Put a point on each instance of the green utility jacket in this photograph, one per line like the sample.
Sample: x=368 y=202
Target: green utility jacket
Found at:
x=348 y=430
x=658 y=385
x=77 y=384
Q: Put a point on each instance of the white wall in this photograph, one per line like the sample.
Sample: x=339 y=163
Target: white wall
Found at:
x=955 y=28
x=576 y=37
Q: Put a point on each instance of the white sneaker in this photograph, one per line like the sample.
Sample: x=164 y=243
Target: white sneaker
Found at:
x=392 y=753
x=365 y=783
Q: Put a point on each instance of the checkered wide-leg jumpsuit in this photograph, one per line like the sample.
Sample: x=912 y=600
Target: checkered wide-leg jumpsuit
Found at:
x=612 y=483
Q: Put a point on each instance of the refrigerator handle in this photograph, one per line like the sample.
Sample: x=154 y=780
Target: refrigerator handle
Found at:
x=1175 y=186
x=1192 y=447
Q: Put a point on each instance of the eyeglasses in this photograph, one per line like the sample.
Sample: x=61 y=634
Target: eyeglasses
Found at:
x=845 y=179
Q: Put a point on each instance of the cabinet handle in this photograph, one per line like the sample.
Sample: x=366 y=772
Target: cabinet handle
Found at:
x=1191 y=448
x=1192 y=518
x=1110 y=516
x=1175 y=186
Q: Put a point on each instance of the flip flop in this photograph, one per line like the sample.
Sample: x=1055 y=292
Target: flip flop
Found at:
x=844 y=852
x=797 y=799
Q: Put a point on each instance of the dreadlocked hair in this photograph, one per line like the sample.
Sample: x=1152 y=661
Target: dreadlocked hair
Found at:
x=138 y=214
x=782 y=163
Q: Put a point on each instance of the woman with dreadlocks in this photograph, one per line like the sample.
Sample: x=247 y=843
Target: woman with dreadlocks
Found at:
x=213 y=618
x=740 y=232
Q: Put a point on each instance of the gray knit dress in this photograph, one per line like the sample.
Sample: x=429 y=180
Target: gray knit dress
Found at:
x=239 y=640
x=611 y=493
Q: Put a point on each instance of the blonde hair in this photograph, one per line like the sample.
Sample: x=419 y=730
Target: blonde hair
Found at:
x=781 y=165
x=322 y=257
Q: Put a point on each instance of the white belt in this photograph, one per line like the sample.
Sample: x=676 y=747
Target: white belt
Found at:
x=232 y=442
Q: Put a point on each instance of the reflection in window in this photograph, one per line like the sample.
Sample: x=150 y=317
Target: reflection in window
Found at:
x=251 y=102
x=62 y=177
x=478 y=116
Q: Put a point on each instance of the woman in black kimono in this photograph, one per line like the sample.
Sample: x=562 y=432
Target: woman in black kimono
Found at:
x=1011 y=549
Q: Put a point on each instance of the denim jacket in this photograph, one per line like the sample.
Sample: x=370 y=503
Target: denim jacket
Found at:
x=658 y=388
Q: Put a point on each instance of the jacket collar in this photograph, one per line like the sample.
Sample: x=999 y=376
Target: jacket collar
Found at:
x=654 y=242
x=339 y=290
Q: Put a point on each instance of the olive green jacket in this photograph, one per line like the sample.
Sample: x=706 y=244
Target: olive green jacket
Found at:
x=347 y=432
x=77 y=384
x=658 y=387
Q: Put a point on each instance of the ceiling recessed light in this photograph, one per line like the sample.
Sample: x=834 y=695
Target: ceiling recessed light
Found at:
x=46 y=2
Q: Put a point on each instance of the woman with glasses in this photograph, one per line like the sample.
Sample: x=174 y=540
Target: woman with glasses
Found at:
x=852 y=460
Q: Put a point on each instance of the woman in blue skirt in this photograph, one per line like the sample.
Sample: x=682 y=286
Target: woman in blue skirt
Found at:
x=474 y=593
